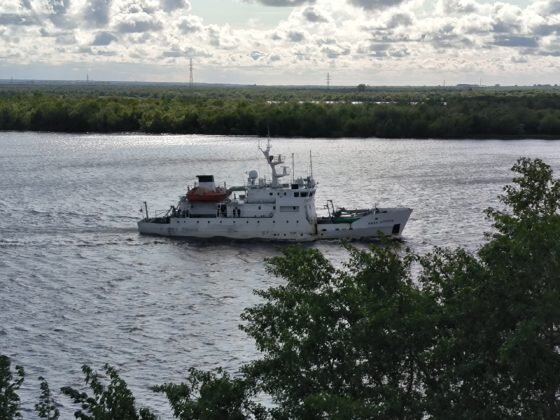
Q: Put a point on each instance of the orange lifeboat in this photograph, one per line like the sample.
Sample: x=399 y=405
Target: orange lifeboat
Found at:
x=203 y=195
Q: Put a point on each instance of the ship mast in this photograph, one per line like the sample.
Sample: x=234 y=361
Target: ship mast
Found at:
x=274 y=163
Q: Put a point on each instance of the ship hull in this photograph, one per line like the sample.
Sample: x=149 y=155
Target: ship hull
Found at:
x=374 y=224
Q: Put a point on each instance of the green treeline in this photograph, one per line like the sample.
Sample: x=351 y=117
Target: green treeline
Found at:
x=387 y=335
x=287 y=113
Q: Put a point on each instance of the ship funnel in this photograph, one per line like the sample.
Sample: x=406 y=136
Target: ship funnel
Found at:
x=206 y=182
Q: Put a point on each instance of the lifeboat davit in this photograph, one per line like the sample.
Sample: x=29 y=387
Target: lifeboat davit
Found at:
x=203 y=195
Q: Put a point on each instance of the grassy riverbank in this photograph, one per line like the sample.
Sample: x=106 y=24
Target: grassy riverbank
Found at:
x=288 y=112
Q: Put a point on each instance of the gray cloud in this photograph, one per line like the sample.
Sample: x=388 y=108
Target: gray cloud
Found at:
x=459 y=6
x=138 y=25
x=400 y=19
x=173 y=54
x=59 y=7
x=326 y=41
x=219 y=40
x=515 y=41
x=106 y=53
x=374 y=49
x=311 y=14
x=446 y=37
x=172 y=5
x=519 y=59
x=58 y=15
x=376 y=4
x=398 y=52
x=333 y=53
x=257 y=55
x=282 y=3
x=552 y=7
x=505 y=27
x=103 y=38
x=65 y=39
x=546 y=29
x=85 y=50
x=296 y=36
x=15 y=19
x=96 y=13
x=189 y=25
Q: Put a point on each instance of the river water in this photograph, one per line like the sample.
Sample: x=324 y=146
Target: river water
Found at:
x=79 y=285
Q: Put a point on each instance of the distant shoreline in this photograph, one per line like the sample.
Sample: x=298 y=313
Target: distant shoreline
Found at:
x=361 y=112
x=135 y=133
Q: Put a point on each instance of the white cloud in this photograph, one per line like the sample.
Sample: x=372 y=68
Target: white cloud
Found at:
x=389 y=37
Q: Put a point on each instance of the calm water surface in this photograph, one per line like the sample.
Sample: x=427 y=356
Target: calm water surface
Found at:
x=79 y=285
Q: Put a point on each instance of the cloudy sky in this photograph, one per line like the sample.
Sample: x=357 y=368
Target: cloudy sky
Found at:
x=377 y=42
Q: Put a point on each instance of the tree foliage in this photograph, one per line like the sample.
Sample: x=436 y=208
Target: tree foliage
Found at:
x=212 y=396
x=345 y=343
x=108 y=402
x=9 y=386
x=351 y=112
x=46 y=408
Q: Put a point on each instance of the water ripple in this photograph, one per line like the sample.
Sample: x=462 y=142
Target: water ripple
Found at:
x=79 y=285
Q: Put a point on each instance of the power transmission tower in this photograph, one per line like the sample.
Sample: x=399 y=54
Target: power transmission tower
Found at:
x=191 y=77
x=328 y=81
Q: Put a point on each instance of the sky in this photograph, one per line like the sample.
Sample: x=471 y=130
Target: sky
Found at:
x=283 y=42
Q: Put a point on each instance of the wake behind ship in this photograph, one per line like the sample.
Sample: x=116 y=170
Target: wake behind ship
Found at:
x=271 y=211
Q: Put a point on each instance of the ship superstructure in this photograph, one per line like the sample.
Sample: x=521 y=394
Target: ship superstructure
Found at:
x=269 y=210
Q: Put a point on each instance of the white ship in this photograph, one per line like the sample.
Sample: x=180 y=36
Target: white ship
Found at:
x=270 y=211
